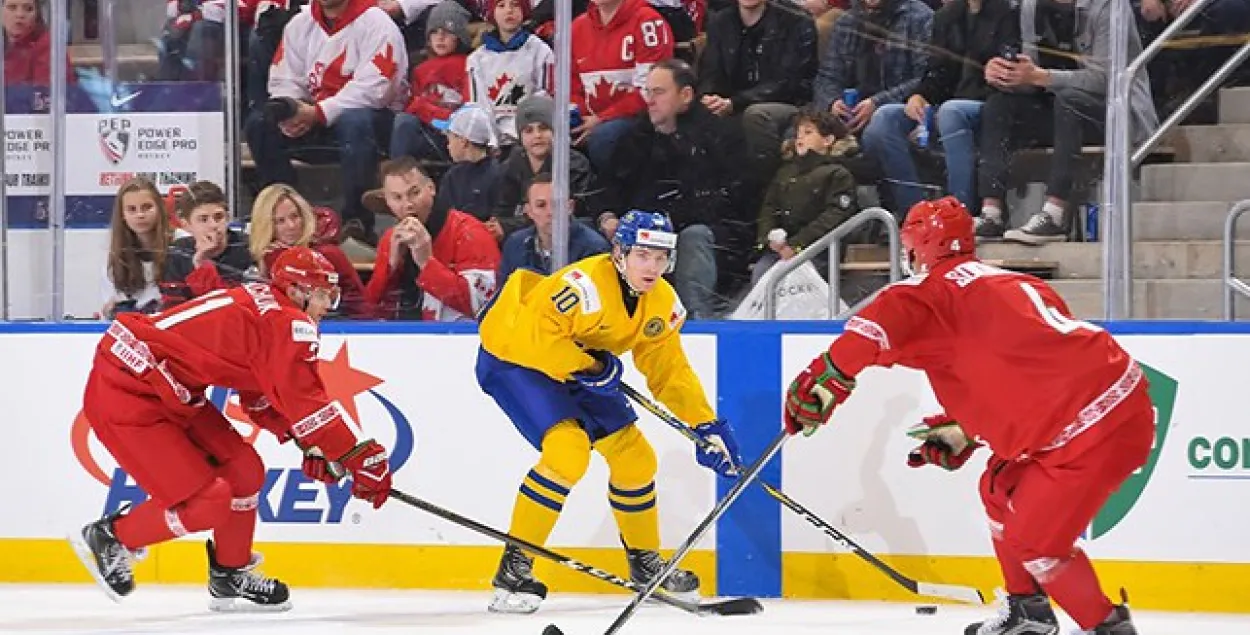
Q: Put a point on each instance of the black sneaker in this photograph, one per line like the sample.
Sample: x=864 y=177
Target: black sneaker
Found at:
x=1038 y=230
x=645 y=564
x=244 y=590
x=516 y=589
x=1019 y=615
x=106 y=558
x=988 y=227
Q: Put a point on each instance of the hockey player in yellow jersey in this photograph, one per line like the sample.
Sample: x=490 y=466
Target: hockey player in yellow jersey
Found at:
x=549 y=358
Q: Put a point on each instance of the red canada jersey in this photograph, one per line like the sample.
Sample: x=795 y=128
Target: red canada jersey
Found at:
x=611 y=61
x=1003 y=354
x=247 y=338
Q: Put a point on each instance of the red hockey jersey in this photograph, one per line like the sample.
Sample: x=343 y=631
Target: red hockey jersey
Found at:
x=247 y=338
x=440 y=85
x=611 y=61
x=1002 y=352
x=458 y=280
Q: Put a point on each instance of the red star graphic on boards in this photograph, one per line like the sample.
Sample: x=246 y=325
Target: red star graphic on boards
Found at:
x=385 y=61
x=343 y=382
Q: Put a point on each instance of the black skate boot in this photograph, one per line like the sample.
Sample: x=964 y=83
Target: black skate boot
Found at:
x=106 y=558
x=645 y=564
x=244 y=590
x=1120 y=623
x=516 y=590
x=1019 y=615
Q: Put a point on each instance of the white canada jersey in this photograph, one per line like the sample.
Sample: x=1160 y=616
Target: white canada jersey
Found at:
x=357 y=63
x=500 y=78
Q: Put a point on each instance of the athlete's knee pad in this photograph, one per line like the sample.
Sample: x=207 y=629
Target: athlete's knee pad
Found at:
x=208 y=508
x=245 y=473
x=631 y=459
x=566 y=453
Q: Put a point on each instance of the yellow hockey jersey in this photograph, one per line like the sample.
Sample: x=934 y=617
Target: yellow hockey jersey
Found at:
x=548 y=324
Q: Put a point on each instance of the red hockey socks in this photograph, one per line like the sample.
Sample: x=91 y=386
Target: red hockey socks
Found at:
x=142 y=526
x=1073 y=585
x=1016 y=579
x=233 y=539
x=149 y=523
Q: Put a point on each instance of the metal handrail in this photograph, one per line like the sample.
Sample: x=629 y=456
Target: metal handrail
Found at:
x=833 y=241
x=1233 y=285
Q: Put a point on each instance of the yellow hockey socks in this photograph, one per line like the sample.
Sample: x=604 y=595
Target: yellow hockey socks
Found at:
x=565 y=457
x=631 y=487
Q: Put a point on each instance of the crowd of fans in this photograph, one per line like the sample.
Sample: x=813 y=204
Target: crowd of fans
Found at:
x=737 y=119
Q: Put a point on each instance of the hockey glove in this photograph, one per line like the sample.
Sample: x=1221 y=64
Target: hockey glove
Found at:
x=945 y=444
x=606 y=382
x=723 y=457
x=317 y=468
x=814 y=394
x=370 y=470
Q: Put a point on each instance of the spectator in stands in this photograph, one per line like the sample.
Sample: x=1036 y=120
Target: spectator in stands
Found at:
x=759 y=63
x=530 y=248
x=27 y=45
x=271 y=20
x=139 y=238
x=436 y=263
x=877 y=49
x=614 y=44
x=511 y=64
x=214 y=256
x=335 y=79
x=811 y=195
x=534 y=121
x=966 y=35
x=472 y=183
x=439 y=85
x=1069 y=108
x=687 y=163
x=412 y=18
x=282 y=219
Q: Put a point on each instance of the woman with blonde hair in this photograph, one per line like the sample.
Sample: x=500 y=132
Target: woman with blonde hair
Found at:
x=138 y=243
x=281 y=219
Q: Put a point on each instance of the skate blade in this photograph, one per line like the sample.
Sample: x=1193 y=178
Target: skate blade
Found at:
x=689 y=597
x=513 y=603
x=84 y=554
x=241 y=605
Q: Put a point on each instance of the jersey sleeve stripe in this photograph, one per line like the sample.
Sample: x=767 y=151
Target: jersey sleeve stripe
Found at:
x=870 y=330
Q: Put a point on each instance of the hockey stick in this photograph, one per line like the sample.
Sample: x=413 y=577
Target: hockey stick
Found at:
x=956 y=592
x=733 y=606
x=721 y=507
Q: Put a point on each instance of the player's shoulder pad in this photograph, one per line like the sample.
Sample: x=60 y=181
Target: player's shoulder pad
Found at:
x=584 y=285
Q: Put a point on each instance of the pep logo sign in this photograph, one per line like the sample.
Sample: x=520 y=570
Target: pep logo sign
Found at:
x=288 y=496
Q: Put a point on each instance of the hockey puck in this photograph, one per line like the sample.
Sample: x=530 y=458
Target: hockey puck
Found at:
x=928 y=609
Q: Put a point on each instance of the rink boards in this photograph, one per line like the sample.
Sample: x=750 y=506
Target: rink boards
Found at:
x=1174 y=535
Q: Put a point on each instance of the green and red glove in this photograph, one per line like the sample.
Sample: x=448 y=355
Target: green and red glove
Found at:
x=814 y=394
x=944 y=444
x=370 y=470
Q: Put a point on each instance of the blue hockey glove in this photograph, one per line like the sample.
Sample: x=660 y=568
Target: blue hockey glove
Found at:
x=607 y=381
x=724 y=458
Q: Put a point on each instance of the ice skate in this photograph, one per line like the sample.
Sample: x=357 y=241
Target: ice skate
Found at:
x=516 y=589
x=244 y=590
x=1019 y=615
x=106 y=558
x=1120 y=623
x=645 y=564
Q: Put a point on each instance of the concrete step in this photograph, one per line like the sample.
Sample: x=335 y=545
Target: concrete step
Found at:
x=1196 y=182
x=1224 y=143
x=1151 y=259
x=1154 y=299
x=1190 y=220
x=1235 y=105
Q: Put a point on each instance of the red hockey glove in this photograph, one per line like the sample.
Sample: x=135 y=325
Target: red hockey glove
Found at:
x=945 y=444
x=814 y=394
x=370 y=470
x=317 y=468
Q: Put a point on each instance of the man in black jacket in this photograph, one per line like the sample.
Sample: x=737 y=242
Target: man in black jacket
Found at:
x=759 y=63
x=685 y=162
x=966 y=35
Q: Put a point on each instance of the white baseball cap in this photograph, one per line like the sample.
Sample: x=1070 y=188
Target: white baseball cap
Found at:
x=472 y=122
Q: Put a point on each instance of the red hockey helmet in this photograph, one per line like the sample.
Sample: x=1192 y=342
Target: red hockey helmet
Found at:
x=304 y=267
x=935 y=231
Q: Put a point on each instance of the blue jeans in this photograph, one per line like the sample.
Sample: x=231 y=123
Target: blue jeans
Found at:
x=411 y=137
x=694 y=273
x=355 y=136
x=957 y=120
x=602 y=141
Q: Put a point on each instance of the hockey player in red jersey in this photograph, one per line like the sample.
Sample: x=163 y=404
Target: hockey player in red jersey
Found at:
x=145 y=401
x=1063 y=408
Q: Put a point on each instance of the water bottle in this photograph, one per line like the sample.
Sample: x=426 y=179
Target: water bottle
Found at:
x=1091 y=222
x=924 y=127
x=850 y=97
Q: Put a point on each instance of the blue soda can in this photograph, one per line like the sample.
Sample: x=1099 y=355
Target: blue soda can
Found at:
x=1091 y=223
x=850 y=97
x=925 y=128
x=575 y=116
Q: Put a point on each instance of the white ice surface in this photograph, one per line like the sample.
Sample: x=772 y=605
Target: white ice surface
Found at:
x=84 y=610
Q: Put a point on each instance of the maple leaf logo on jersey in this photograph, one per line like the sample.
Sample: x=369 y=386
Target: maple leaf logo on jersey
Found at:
x=497 y=89
x=385 y=61
x=603 y=93
x=327 y=81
